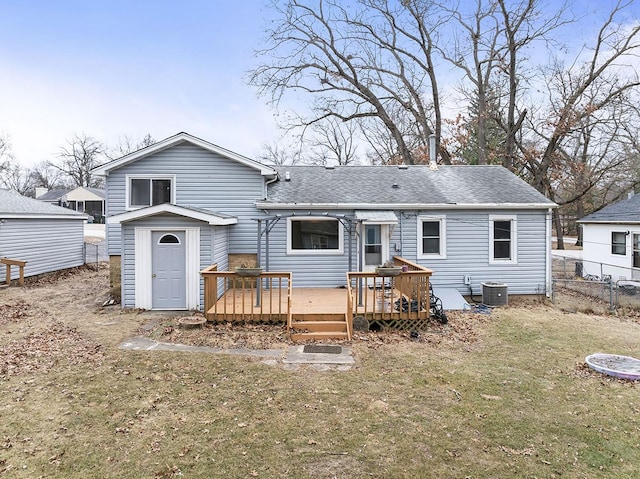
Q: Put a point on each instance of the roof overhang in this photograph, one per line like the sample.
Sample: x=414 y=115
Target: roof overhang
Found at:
x=609 y=222
x=215 y=219
x=404 y=206
x=385 y=217
x=105 y=169
x=43 y=216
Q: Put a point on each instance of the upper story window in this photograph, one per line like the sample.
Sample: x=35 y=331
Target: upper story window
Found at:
x=618 y=243
x=502 y=239
x=149 y=190
x=314 y=236
x=432 y=237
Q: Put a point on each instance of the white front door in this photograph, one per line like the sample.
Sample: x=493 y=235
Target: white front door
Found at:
x=376 y=245
x=168 y=284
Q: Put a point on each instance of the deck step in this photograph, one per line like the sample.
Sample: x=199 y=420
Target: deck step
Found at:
x=319 y=335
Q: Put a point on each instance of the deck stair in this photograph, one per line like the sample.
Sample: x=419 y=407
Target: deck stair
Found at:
x=319 y=327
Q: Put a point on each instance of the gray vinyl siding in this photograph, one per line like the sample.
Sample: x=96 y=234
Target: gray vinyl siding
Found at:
x=46 y=244
x=467 y=253
x=203 y=180
x=467 y=248
x=159 y=222
x=309 y=270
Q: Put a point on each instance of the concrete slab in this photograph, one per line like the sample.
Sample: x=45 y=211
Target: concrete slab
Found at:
x=139 y=343
x=296 y=355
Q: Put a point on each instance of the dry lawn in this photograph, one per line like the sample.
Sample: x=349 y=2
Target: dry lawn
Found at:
x=488 y=396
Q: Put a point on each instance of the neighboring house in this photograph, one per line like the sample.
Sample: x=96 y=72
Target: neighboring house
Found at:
x=82 y=199
x=48 y=237
x=611 y=240
x=183 y=204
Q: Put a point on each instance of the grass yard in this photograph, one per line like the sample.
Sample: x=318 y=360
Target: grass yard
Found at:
x=506 y=396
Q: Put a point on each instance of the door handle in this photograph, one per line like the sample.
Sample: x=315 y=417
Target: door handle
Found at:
x=153 y=275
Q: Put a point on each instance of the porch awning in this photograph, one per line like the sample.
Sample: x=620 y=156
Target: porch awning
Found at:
x=377 y=217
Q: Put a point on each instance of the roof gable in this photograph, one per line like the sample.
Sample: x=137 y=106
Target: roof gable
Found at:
x=105 y=169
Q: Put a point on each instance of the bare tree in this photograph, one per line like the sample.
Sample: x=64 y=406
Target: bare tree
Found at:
x=364 y=61
x=6 y=155
x=77 y=159
x=17 y=178
x=591 y=118
x=335 y=142
x=45 y=175
x=277 y=153
x=126 y=145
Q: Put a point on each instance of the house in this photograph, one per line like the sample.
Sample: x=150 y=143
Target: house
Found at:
x=82 y=199
x=611 y=240
x=183 y=204
x=47 y=237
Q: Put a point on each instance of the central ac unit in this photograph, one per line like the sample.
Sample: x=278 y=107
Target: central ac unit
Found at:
x=494 y=294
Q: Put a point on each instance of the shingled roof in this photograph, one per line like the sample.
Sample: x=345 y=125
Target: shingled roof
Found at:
x=625 y=211
x=403 y=186
x=14 y=205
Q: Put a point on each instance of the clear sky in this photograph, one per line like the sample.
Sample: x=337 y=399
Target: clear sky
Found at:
x=109 y=68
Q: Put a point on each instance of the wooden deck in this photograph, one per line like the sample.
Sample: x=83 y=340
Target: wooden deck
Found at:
x=241 y=304
x=309 y=303
x=396 y=300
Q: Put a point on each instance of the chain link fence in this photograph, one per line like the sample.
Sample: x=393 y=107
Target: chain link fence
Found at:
x=586 y=282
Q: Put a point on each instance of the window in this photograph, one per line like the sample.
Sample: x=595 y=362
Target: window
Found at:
x=636 y=251
x=149 y=191
x=502 y=239
x=169 y=239
x=618 y=243
x=431 y=237
x=314 y=236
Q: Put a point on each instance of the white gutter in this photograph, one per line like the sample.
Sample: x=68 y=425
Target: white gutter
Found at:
x=402 y=206
x=41 y=216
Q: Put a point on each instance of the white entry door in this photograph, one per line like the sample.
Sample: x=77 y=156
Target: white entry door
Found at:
x=376 y=245
x=168 y=283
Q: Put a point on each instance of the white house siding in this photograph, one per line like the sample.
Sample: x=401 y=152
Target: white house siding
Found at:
x=596 y=251
x=203 y=180
x=467 y=250
x=46 y=244
x=159 y=222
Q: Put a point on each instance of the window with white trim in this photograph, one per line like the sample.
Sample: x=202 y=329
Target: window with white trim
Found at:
x=311 y=235
x=432 y=237
x=502 y=239
x=618 y=243
x=149 y=190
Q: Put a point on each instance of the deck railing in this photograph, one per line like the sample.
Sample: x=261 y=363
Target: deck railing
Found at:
x=390 y=298
x=231 y=297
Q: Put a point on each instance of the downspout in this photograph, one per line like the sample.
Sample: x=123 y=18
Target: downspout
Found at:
x=548 y=248
x=401 y=236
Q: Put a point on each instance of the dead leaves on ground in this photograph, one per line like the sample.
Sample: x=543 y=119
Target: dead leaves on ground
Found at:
x=13 y=311
x=45 y=348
